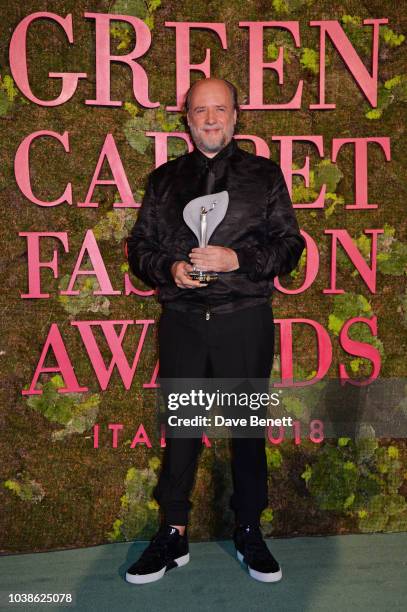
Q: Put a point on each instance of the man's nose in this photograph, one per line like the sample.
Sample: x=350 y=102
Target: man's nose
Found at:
x=211 y=116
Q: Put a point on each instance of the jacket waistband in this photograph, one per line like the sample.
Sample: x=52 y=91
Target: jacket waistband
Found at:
x=215 y=309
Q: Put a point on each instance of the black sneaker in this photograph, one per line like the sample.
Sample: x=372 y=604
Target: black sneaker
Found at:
x=252 y=551
x=167 y=549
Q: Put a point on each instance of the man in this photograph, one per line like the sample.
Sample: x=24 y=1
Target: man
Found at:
x=222 y=329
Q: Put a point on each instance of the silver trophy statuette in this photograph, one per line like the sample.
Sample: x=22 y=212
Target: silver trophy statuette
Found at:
x=203 y=215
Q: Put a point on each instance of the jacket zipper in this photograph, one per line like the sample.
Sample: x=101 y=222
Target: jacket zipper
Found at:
x=207 y=309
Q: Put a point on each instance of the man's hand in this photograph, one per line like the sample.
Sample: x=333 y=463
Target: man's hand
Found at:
x=214 y=259
x=179 y=271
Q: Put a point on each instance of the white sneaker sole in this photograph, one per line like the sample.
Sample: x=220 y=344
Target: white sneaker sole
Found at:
x=260 y=576
x=146 y=578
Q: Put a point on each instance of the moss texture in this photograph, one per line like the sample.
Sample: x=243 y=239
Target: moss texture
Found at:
x=57 y=490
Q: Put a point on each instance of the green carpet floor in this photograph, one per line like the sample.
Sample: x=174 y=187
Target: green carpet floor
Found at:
x=327 y=574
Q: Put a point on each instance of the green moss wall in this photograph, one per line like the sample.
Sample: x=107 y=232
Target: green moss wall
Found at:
x=56 y=490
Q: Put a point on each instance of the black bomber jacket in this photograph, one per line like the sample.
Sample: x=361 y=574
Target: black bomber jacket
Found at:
x=260 y=226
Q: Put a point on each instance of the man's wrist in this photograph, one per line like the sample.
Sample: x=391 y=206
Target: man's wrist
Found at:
x=236 y=264
x=173 y=264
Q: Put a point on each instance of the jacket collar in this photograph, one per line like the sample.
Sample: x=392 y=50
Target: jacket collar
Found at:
x=202 y=160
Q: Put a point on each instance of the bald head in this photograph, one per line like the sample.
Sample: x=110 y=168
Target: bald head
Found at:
x=207 y=82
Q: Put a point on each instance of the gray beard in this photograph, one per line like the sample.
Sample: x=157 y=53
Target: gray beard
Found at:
x=215 y=148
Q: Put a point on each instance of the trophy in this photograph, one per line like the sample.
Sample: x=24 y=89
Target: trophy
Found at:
x=203 y=215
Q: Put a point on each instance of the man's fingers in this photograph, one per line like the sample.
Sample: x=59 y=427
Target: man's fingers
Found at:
x=207 y=264
x=203 y=260
x=185 y=282
x=182 y=278
x=200 y=250
x=201 y=257
x=202 y=266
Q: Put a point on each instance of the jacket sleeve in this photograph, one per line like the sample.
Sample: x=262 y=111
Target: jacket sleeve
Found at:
x=146 y=259
x=283 y=245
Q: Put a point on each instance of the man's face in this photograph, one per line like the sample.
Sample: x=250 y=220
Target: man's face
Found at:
x=211 y=116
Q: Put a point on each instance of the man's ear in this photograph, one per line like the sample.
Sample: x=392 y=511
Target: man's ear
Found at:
x=234 y=117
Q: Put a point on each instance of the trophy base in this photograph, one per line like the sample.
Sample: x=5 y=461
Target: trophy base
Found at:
x=203 y=277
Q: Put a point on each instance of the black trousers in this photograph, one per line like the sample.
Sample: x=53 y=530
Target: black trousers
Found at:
x=233 y=345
